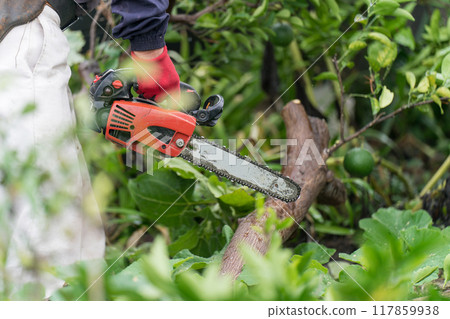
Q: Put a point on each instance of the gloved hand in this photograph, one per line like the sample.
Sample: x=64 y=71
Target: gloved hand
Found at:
x=159 y=79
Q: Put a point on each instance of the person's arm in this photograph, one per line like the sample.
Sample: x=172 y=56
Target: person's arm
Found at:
x=144 y=23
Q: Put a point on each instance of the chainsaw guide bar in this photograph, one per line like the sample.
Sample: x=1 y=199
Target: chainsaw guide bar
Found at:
x=241 y=169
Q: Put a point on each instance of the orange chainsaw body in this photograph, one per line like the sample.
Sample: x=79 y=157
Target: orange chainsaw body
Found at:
x=138 y=125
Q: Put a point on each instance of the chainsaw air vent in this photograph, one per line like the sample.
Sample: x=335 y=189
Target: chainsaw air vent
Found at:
x=124 y=112
x=163 y=134
x=121 y=135
x=125 y=124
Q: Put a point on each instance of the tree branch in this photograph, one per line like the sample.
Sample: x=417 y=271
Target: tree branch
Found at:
x=378 y=119
x=100 y=9
x=191 y=18
x=341 y=105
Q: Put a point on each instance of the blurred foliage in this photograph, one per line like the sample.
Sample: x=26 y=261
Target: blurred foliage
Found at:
x=166 y=232
x=392 y=264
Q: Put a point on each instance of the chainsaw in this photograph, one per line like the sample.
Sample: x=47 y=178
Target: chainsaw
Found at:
x=139 y=124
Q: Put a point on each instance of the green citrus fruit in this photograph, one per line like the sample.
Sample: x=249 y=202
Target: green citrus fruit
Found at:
x=358 y=162
x=283 y=34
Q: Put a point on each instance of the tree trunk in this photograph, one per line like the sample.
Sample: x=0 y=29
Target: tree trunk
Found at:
x=312 y=175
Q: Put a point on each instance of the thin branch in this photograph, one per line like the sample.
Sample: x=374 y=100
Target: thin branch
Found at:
x=378 y=119
x=93 y=29
x=341 y=105
x=436 y=177
x=354 y=135
x=191 y=18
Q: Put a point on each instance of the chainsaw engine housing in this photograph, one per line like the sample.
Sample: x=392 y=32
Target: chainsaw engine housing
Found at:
x=139 y=125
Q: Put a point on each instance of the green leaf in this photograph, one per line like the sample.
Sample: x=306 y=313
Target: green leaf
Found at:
x=185 y=260
x=333 y=229
x=354 y=257
x=183 y=168
x=423 y=273
x=216 y=187
x=431 y=243
x=357 y=45
x=443 y=92
x=380 y=55
x=78 y=274
x=285 y=223
x=228 y=19
x=76 y=43
x=445 y=68
x=424 y=85
x=384 y=7
x=229 y=36
x=386 y=97
x=312 y=263
x=132 y=283
x=227 y=233
x=437 y=100
x=208 y=21
x=284 y=14
x=188 y=240
x=244 y=40
x=434 y=24
x=398 y=220
x=126 y=201
x=350 y=273
x=446 y=270
x=29 y=108
x=248 y=277
x=239 y=199
x=163 y=195
x=405 y=37
x=402 y=13
x=326 y=76
x=319 y=252
x=334 y=8
x=172 y=36
x=389 y=223
x=411 y=79
x=261 y=9
x=375 y=105
x=432 y=80
x=379 y=37
x=382 y=30
x=260 y=32
x=296 y=21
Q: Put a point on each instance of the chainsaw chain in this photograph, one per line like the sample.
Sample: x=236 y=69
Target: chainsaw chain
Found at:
x=234 y=179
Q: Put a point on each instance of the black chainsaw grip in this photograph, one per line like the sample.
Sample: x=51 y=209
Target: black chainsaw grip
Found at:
x=211 y=111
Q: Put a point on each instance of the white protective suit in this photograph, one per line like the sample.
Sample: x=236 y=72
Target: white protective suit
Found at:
x=34 y=70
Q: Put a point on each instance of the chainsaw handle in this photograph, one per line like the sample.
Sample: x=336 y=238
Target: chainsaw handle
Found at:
x=211 y=111
x=191 y=102
x=110 y=86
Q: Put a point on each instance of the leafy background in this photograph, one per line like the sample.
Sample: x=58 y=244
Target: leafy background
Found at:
x=389 y=241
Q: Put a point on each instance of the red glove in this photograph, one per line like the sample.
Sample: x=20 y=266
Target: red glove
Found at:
x=159 y=79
